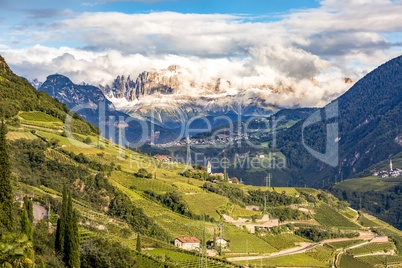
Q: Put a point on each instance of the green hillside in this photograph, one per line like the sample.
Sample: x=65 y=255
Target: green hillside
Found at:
x=122 y=196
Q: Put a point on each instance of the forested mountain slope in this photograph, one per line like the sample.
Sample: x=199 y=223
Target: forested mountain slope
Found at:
x=370 y=121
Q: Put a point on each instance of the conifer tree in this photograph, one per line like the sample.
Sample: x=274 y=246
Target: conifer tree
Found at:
x=138 y=246
x=61 y=223
x=74 y=254
x=26 y=224
x=28 y=204
x=71 y=237
x=6 y=193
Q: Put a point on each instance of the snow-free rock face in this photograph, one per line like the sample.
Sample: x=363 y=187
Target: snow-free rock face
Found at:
x=170 y=81
x=63 y=89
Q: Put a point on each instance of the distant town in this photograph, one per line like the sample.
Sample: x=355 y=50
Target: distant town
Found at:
x=391 y=172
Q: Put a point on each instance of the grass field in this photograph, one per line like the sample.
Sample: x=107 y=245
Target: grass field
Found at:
x=296 y=260
x=328 y=216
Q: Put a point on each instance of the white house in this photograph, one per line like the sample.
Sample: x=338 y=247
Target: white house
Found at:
x=188 y=243
x=220 y=242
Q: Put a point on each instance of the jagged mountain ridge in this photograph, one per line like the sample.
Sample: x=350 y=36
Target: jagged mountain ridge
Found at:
x=76 y=96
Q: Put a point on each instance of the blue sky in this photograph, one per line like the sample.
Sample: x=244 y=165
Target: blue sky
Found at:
x=256 y=44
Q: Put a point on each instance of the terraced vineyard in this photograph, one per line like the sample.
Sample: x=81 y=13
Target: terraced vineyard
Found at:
x=371 y=248
x=199 y=201
x=37 y=116
x=238 y=211
x=15 y=135
x=206 y=203
x=141 y=184
x=328 y=216
x=243 y=241
x=321 y=253
x=55 y=155
x=296 y=260
x=347 y=261
x=176 y=224
x=284 y=241
x=345 y=244
x=381 y=260
x=187 y=260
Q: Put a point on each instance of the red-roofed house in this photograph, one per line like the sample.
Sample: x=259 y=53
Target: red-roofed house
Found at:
x=188 y=243
x=164 y=158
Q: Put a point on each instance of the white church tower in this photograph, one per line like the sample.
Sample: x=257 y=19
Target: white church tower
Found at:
x=209 y=168
x=390 y=165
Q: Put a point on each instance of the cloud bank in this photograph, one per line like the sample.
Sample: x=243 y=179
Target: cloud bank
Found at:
x=339 y=39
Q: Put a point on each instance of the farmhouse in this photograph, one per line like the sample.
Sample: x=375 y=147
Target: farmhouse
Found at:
x=164 y=158
x=220 y=242
x=188 y=243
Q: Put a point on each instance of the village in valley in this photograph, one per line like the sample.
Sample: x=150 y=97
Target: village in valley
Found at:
x=391 y=172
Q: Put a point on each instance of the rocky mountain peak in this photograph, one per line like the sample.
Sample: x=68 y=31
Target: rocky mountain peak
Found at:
x=62 y=88
x=348 y=80
x=35 y=83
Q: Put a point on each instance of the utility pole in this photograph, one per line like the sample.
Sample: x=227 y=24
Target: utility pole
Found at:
x=268 y=181
x=188 y=152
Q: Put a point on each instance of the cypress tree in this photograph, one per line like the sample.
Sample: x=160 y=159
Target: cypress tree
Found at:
x=61 y=223
x=138 y=246
x=215 y=247
x=74 y=258
x=57 y=243
x=68 y=231
x=6 y=193
x=26 y=225
x=28 y=204
x=71 y=237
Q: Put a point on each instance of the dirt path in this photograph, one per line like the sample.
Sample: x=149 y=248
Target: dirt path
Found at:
x=376 y=253
x=39 y=212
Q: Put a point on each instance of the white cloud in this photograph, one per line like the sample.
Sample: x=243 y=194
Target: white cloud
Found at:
x=339 y=39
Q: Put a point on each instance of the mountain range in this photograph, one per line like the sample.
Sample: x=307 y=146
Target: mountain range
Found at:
x=368 y=121
x=172 y=96
x=91 y=104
